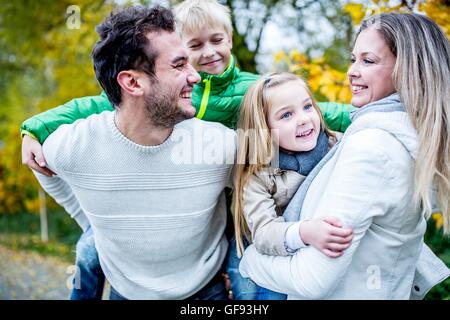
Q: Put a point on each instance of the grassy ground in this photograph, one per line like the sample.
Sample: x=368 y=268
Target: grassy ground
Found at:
x=22 y=232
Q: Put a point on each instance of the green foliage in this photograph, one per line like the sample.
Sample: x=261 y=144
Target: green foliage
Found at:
x=22 y=232
x=245 y=57
x=440 y=245
x=43 y=63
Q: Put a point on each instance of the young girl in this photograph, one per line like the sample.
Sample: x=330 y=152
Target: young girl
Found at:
x=278 y=107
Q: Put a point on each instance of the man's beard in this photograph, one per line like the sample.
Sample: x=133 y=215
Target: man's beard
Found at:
x=162 y=109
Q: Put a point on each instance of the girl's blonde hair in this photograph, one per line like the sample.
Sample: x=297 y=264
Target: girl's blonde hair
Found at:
x=421 y=77
x=254 y=144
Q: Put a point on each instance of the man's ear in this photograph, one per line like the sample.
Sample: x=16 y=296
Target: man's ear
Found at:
x=130 y=81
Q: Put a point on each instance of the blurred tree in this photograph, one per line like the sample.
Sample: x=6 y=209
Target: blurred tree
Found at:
x=44 y=62
x=326 y=82
x=439 y=11
x=326 y=73
x=359 y=11
x=323 y=63
x=250 y=19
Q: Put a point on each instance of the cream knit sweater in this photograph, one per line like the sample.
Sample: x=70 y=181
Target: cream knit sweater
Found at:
x=158 y=213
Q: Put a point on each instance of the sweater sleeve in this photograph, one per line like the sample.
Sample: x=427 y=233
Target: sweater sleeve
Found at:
x=355 y=194
x=56 y=186
x=42 y=125
x=336 y=115
x=267 y=228
x=59 y=190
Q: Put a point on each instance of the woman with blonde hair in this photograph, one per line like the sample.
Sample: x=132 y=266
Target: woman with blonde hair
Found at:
x=379 y=180
x=278 y=111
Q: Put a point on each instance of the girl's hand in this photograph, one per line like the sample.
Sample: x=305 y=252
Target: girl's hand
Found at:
x=326 y=235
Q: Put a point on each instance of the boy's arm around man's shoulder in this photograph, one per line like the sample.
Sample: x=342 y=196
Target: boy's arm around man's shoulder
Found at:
x=42 y=125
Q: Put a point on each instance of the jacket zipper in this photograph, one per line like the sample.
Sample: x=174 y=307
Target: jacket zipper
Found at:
x=205 y=98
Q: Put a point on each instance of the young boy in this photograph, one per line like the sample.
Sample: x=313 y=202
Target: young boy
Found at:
x=206 y=30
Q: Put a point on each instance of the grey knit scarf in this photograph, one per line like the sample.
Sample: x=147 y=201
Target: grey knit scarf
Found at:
x=304 y=162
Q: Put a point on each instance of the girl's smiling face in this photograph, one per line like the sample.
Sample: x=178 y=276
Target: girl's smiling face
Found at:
x=293 y=119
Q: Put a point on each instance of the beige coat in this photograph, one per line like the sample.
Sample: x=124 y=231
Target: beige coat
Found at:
x=265 y=197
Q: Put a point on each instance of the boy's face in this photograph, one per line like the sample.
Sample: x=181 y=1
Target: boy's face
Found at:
x=209 y=49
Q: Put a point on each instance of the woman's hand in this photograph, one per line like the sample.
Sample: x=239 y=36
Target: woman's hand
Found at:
x=326 y=235
x=33 y=157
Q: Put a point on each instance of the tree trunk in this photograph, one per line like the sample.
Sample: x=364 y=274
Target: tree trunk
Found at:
x=43 y=215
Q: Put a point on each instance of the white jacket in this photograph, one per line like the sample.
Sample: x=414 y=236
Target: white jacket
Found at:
x=388 y=228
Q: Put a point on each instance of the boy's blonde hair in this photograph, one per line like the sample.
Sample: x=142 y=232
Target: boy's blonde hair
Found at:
x=254 y=151
x=194 y=15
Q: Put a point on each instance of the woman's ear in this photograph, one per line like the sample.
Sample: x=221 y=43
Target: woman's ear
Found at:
x=130 y=81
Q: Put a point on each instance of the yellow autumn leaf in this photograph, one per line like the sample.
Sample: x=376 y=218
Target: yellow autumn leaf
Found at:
x=356 y=10
x=315 y=70
x=345 y=95
x=439 y=11
x=296 y=56
x=279 y=56
x=314 y=83
x=438 y=220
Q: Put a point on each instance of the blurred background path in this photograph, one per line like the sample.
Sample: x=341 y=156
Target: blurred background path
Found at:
x=30 y=276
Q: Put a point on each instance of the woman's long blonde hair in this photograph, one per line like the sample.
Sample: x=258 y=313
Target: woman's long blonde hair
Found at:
x=422 y=78
x=254 y=144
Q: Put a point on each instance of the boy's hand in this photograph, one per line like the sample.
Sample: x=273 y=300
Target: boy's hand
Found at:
x=327 y=236
x=33 y=157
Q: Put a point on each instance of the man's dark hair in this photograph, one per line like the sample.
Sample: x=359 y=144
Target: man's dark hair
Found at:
x=123 y=45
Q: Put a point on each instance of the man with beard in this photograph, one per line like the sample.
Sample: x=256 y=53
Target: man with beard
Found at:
x=157 y=214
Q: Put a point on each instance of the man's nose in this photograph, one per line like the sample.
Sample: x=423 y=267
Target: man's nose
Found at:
x=193 y=77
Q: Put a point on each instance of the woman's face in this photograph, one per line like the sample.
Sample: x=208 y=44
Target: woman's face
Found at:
x=370 y=74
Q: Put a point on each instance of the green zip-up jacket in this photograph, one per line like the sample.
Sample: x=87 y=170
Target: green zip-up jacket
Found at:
x=217 y=98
